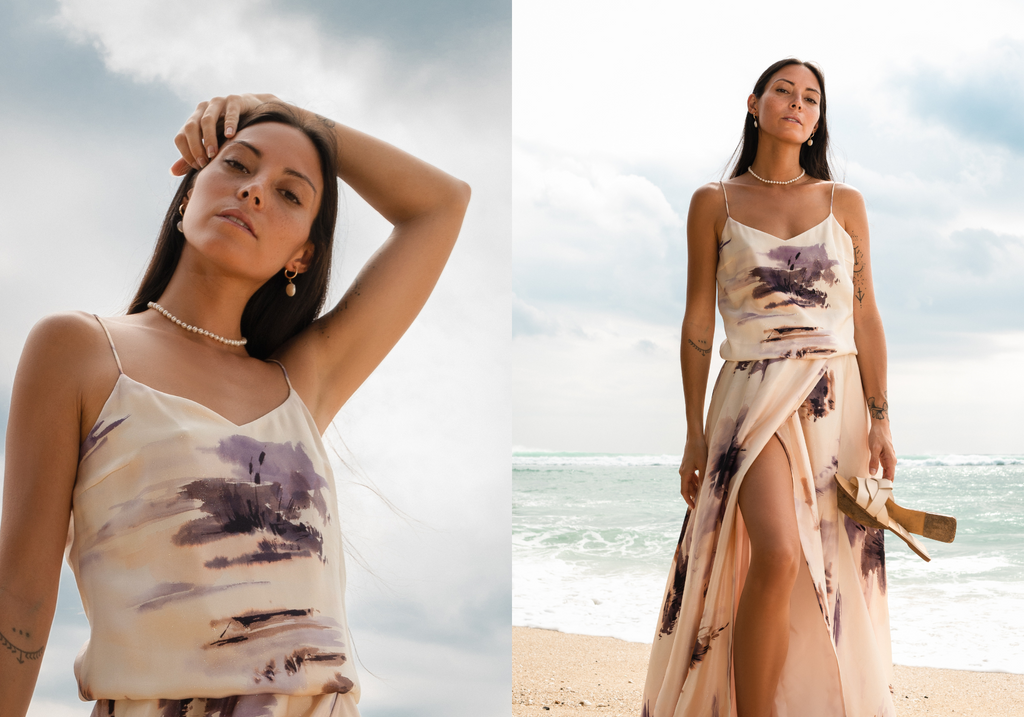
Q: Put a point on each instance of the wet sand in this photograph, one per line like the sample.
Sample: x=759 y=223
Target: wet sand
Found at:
x=576 y=673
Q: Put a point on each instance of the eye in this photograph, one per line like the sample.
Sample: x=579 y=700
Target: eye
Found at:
x=291 y=197
x=811 y=100
x=235 y=164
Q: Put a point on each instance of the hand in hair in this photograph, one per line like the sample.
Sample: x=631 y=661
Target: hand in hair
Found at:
x=197 y=139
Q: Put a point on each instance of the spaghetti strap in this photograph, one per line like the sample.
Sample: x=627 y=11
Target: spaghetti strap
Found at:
x=833 y=200
x=111 y=342
x=726 y=195
x=286 y=379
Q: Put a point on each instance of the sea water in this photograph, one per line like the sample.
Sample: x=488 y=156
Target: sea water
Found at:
x=593 y=536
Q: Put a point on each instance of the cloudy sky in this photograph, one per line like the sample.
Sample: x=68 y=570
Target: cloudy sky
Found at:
x=94 y=92
x=621 y=111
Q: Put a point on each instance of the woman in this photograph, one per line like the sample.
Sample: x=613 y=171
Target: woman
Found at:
x=186 y=435
x=778 y=607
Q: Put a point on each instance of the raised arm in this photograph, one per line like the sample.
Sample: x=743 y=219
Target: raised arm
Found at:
x=868 y=332
x=332 y=358
x=40 y=465
x=703 y=226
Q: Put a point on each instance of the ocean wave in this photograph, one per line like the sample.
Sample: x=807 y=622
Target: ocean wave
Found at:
x=963 y=460
x=537 y=459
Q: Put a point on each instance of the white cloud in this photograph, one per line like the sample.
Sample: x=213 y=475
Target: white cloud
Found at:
x=650 y=98
x=201 y=49
x=430 y=428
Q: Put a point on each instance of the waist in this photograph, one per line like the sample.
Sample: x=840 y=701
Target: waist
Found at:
x=163 y=627
x=770 y=340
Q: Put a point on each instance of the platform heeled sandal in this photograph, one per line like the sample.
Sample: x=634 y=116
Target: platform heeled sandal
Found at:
x=869 y=502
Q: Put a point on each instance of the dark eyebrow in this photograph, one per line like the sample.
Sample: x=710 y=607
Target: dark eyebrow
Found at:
x=288 y=171
x=253 y=149
x=809 y=89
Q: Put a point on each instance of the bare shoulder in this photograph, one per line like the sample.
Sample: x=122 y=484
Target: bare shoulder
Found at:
x=68 y=360
x=850 y=211
x=709 y=198
x=63 y=340
x=848 y=204
x=708 y=210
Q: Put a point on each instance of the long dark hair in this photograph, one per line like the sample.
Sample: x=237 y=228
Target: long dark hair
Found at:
x=270 y=318
x=814 y=159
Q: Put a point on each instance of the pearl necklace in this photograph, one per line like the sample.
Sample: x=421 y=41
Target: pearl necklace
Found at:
x=195 y=329
x=772 y=181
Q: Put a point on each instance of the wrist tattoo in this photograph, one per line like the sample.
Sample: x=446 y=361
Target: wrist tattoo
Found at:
x=878 y=413
x=19 y=654
x=701 y=351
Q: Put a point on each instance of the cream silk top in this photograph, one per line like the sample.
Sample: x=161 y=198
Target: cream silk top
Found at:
x=208 y=555
x=786 y=298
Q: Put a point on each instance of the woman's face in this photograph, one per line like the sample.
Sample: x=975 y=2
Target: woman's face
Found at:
x=790 y=106
x=251 y=208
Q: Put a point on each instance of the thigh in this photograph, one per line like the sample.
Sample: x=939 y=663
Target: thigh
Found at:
x=766 y=502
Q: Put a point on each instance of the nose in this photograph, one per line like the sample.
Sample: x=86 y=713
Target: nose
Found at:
x=251 y=191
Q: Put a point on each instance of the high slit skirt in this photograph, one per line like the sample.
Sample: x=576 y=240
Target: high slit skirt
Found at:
x=839 y=660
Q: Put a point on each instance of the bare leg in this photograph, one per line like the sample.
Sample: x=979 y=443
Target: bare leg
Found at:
x=761 y=633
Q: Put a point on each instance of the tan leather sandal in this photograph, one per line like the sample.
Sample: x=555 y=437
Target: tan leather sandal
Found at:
x=869 y=502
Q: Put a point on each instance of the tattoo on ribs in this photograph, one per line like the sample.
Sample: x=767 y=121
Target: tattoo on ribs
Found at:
x=19 y=654
x=878 y=413
x=701 y=351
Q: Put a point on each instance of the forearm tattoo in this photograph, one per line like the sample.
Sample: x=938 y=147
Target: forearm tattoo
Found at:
x=328 y=123
x=858 y=271
x=19 y=654
x=702 y=350
x=878 y=413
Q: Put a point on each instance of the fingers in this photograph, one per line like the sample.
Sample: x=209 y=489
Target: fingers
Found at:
x=232 y=111
x=689 y=485
x=189 y=139
x=180 y=167
x=208 y=126
x=888 y=459
x=197 y=140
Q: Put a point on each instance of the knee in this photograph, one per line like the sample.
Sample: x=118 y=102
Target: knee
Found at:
x=777 y=565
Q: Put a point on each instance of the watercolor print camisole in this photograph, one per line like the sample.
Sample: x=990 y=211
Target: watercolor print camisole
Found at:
x=788 y=298
x=208 y=555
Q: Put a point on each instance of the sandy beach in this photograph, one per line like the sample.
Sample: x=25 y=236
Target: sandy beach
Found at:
x=554 y=673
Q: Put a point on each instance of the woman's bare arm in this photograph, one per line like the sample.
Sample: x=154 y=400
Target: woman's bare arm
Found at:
x=333 y=357
x=868 y=332
x=40 y=466
x=703 y=226
x=426 y=207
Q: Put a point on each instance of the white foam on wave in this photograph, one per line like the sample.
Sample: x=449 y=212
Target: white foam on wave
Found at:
x=591 y=459
x=557 y=595
x=964 y=460
x=973 y=624
x=529 y=459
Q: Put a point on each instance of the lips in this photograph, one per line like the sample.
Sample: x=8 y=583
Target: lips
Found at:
x=794 y=119
x=238 y=218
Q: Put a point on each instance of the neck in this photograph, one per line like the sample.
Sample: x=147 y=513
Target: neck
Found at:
x=776 y=160
x=204 y=297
